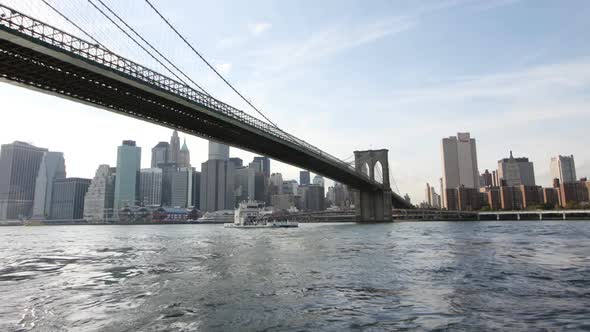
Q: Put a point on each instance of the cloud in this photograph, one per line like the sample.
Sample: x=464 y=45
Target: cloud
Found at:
x=259 y=27
x=329 y=41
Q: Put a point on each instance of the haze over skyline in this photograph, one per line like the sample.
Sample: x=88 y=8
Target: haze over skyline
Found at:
x=347 y=76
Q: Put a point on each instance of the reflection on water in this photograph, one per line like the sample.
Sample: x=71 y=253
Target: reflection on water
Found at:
x=455 y=275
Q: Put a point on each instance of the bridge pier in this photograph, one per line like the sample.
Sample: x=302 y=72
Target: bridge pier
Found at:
x=373 y=205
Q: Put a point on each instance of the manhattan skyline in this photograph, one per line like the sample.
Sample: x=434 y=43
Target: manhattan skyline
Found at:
x=383 y=74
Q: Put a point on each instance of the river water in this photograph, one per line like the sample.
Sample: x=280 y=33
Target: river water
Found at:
x=336 y=277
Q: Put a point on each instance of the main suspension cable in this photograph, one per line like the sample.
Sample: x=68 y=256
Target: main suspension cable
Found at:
x=207 y=62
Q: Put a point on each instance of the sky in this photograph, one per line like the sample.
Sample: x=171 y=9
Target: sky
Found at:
x=345 y=76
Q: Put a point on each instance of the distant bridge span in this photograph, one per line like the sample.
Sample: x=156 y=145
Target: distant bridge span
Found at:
x=40 y=57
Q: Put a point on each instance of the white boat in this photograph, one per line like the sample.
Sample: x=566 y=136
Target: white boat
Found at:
x=248 y=215
x=217 y=217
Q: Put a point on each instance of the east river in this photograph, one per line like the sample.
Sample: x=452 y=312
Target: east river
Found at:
x=476 y=276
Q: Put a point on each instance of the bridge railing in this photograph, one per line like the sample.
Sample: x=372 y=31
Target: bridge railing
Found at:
x=60 y=39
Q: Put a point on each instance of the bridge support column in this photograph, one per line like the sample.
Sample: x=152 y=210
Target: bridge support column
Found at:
x=373 y=205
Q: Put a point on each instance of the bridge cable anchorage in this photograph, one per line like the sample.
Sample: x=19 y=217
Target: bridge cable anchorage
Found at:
x=75 y=25
x=153 y=48
x=207 y=63
x=136 y=42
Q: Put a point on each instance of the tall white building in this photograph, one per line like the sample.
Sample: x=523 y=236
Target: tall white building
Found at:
x=245 y=183
x=459 y=159
x=182 y=187
x=128 y=165
x=217 y=180
x=563 y=168
x=150 y=186
x=98 y=202
x=52 y=168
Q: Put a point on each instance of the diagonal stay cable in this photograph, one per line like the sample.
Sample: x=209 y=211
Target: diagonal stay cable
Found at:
x=207 y=62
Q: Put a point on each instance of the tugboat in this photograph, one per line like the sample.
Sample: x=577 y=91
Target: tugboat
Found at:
x=248 y=215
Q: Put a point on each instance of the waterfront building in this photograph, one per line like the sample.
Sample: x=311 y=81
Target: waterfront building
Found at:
x=182 y=187
x=550 y=197
x=160 y=154
x=217 y=180
x=494 y=199
x=99 y=199
x=563 y=168
x=516 y=171
x=19 y=167
x=128 y=165
x=532 y=196
x=510 y=198
x=452 y=199
x=53 y=167
x=468 y=199
x=150 y=187
x=572 y=193
x=459 y=158
x=68 y=198
x=304 y=178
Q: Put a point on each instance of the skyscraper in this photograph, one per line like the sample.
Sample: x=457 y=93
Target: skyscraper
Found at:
x=459 y=157
x=276 y=183
x=160 y=154
x=563 y=168
x=150 y=187
x=182 y=187
x=184 y=156
x=174 y=150
x=304 y=178
x=516 y=171
x=98 y=202
x=245 y=178
x=196 y=196
x=68 y=198
x=52 y=168
x=264 y=164
x=217 y=180
x=128 y=164
x=19 y=167
x=319 y=180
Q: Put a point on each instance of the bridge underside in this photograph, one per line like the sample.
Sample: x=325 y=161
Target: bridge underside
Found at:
x=33 y=68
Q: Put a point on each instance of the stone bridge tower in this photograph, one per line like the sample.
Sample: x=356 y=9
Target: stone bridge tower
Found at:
x=373 y=205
